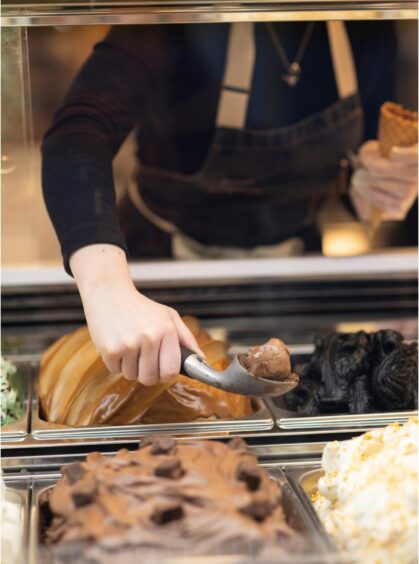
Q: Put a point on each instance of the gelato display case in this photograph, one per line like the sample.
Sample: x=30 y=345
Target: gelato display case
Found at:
x=354 y=286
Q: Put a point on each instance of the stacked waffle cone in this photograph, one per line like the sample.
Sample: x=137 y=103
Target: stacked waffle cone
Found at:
x=76 y=388
x=397 y=127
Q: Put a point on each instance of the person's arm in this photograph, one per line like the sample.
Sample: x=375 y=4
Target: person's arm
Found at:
x=133 y=334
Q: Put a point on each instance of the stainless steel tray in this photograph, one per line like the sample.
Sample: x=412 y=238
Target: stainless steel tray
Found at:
x=18 y=493
x=292 y=421
x=22 y=381
x=260 y=420
x=304 y=479
x=304 y=522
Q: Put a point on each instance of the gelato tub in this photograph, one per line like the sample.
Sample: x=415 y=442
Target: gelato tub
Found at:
x=352 y=382
x=258 y=514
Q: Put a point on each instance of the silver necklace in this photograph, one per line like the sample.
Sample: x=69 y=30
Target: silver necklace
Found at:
x=293 y=70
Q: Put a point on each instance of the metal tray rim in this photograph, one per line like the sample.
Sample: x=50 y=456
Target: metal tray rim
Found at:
x=24 y=506
x=294 y=475
x=337 y=422
x=261 y=420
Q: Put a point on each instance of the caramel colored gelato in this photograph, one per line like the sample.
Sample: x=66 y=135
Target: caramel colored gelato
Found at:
x=75 y=388
x=199 y=495
x=270 y=360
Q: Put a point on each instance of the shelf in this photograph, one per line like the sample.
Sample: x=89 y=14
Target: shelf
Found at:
x=17 y=13
x=398 y=263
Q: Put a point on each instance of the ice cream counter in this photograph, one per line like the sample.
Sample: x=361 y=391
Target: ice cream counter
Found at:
x=82 y=446
x=99 y=470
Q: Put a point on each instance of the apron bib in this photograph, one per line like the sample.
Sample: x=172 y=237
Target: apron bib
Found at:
x=258 y=191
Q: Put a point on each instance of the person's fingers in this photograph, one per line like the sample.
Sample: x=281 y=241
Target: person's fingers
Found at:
x=169 y=356
x=398 y=189
x=385 y=200
x=112 y=360
x=186 y=339
x=129 y=366
x=405 y=155
x=393 y=172
x=360 y=181
x=148 y=363
x=369 y=151
x=361 y=205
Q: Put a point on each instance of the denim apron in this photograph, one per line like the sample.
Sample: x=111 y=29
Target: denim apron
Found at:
x=258 y=190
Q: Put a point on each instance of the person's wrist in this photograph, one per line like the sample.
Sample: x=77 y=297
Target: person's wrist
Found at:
x=97 y=267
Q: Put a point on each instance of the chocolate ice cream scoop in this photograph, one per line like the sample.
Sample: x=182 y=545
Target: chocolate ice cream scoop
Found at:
x=238 y=379
x=270 y=360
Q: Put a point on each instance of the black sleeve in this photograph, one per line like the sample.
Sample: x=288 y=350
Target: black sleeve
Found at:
x=105 y=102
x=374 y=45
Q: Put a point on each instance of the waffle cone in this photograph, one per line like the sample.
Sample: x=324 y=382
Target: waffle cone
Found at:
x=397 y=127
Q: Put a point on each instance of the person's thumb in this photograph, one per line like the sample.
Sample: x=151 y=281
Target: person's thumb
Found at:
x=405 y=155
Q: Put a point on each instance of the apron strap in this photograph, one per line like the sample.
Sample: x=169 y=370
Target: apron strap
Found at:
x=238 y=75
x=342 y=59
x=240 y=62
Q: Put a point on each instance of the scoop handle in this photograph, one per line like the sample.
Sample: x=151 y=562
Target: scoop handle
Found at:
x=184 y=354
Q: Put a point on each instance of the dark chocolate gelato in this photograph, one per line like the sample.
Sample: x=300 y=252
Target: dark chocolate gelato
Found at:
x=168 y=495
x=357 y=373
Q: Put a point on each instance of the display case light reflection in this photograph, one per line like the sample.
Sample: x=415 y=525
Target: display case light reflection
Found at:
x=7 y=164
x=343 y=240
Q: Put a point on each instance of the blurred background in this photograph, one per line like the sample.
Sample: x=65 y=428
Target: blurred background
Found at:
x=55 y=55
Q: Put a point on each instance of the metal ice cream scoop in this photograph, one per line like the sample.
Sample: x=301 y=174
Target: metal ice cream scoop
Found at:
x=235 y=378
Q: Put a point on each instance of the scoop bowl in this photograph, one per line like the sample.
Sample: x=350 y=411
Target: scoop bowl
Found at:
x=235 y=378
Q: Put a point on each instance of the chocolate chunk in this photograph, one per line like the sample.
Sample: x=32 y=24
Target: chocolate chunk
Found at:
x=248 y=472
x=73 y=472
x=238 y=444
x=171 y=469
x=145 y=442
x=167 y=512
x=81 y=499
x=163 y=445
x=94 y=457
x=159 y=444
x=258 y=509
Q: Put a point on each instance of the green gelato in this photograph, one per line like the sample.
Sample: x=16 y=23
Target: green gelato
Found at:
x=11 y=405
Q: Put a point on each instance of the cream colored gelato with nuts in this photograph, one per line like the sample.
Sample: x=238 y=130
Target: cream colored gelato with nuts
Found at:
x=368 y=496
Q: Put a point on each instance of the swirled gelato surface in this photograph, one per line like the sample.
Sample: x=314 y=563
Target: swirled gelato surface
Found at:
x=368 y=496
x=170 y=495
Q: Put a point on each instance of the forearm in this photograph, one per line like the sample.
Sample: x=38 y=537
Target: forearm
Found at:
x=78 y=189
x=106 y=101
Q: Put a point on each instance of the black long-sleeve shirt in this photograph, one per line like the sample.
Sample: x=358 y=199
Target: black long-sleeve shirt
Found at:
x=165 y=81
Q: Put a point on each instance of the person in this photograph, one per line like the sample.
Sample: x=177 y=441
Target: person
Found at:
x=240 y=129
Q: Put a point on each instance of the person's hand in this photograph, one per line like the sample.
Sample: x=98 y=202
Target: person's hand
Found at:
x=388 y=184
x=134 y=335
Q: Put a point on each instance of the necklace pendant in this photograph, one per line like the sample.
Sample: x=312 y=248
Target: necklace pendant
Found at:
x=293 y=75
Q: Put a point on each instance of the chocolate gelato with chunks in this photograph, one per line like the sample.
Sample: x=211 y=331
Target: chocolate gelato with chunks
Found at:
x=168 y=495
x=270 y=360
